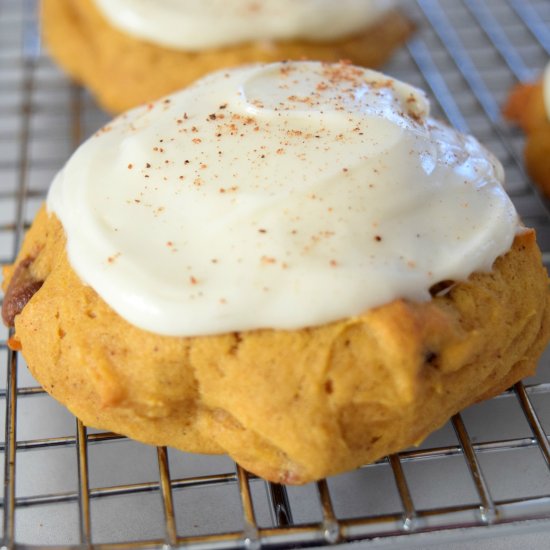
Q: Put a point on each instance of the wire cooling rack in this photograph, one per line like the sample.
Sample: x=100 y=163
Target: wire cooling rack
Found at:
x=67 y=485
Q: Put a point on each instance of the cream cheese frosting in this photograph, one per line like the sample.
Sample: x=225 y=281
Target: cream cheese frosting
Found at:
x=199 y=24
x=278 y=196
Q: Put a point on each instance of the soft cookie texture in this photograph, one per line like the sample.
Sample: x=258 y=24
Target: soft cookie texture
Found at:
x=290 y=406
x=525 y=106
x=123 y=71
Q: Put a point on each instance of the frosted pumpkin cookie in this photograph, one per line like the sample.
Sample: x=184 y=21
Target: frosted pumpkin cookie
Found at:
x=529 y=106
x=129 y=52
x=289 y=263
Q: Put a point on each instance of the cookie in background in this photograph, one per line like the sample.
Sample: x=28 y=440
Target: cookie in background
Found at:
x=528 y=106
x=129 y=52
x=293 y=264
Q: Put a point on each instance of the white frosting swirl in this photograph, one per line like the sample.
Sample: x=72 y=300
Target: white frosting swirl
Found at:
x=200 y=24
x=281 y=196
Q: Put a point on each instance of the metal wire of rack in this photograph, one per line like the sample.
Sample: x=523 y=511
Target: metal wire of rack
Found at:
x=72 y=486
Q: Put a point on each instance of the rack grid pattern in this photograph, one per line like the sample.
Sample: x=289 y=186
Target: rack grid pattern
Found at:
x=71 y=486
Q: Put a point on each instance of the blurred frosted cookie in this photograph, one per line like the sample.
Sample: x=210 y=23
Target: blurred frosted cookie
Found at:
x=528 y=105
x=129 y=52
x=291 y=263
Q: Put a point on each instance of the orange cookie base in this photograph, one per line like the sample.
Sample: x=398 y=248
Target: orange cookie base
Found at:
x=290 y=406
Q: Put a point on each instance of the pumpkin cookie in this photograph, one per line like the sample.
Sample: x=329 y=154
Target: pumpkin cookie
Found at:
x=529 y=107
x=291 y=263
x=130 y=52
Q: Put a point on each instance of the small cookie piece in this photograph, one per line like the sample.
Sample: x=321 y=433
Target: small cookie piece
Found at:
x=526 y=106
